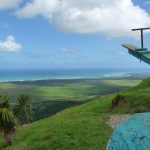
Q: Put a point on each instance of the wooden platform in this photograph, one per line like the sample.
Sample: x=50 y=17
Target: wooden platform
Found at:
x=142 y=54
x=131 y=47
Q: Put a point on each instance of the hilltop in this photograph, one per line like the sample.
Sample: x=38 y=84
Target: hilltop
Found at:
x=83 y=127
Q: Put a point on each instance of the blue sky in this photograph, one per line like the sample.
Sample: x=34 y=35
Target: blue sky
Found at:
x=71 y=34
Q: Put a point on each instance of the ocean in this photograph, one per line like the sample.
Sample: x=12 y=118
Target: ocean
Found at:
x=45 y=74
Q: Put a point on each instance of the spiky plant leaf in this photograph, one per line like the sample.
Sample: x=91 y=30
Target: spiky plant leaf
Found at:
x=4 y=102
x=8 y=121
x=23 y=107
x=9 y=117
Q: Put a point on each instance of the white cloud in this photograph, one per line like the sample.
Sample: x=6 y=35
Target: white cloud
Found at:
x=38 y=7
x=120 y=53
x=111 y=18
x=39 y=55
x=10 y=45
x=67 y=50
x=9 y=3
x=4 y=25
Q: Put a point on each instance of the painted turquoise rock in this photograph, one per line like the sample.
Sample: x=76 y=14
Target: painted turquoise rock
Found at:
x=133 y=134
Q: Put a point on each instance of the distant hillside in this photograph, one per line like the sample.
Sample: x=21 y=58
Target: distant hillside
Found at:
x=82 y=127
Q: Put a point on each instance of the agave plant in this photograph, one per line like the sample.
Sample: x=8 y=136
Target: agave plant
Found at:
x=10 y=115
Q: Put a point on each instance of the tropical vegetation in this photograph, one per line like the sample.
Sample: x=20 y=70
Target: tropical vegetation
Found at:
x=82 y=127
x=10 y=115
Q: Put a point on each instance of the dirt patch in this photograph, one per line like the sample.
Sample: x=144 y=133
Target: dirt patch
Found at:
x=115 y=120
x=117 y=100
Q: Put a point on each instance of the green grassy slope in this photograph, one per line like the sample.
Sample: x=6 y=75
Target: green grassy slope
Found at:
x=81 y=127
x=52 y=96
x=136 y=99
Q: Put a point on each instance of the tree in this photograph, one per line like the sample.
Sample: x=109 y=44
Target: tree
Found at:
x=10 y=116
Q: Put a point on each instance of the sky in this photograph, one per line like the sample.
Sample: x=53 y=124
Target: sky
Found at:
x=44 y=34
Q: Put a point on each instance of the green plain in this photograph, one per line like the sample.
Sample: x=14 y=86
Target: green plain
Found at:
x=82 y=127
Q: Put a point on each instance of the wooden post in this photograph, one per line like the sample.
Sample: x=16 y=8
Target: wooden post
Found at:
x=142 y=39
x=142 y=43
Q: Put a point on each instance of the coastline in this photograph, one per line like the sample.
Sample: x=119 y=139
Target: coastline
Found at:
x=119 y=75
x=7 y=76
x=54 y=95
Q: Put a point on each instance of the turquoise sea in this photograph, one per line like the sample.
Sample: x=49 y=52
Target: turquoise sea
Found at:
x=44 y=74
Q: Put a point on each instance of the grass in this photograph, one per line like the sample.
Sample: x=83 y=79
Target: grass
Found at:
x=81 y=127
x=79 y=89
x=56 y=95
x=137 y=99
x=126 y=83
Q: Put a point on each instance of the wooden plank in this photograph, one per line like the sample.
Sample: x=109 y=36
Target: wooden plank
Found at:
x=140 y=29
x=142 y=54
x=130 y=47
x=142 y=57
